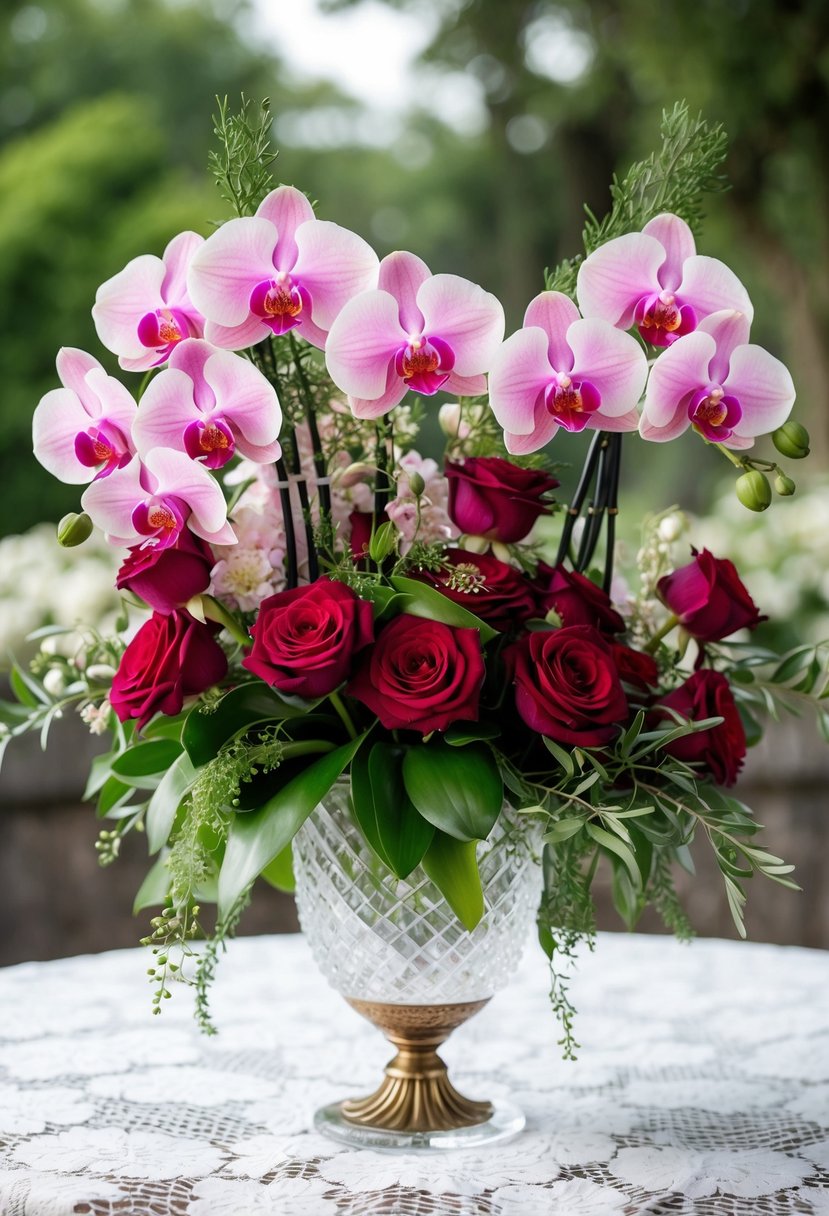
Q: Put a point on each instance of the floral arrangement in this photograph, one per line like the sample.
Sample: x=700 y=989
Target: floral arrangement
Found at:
x=322 y=602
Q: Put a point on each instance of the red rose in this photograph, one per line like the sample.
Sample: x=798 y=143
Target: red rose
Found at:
x=491 y=497
x=361 y=522
x=720 y=749
x=567 y=686
x=708 y=598
x=495 y=591
x=576 y=599
x=635 y=667
x=170 y=658
x=421 y=675
x=167 y=578
x=305 y=639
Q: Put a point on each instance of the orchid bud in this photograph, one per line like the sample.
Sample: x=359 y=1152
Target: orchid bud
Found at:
x=74 y=529
x=792 y=440
x=54 y=681
x=449 y=419
x=671 y=527
x=753 y=490
x=416 y=484
x=354 y=474
x=100 y=673
x=784 y=485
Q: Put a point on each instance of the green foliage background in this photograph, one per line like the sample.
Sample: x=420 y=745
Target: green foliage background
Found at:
x=105 y=124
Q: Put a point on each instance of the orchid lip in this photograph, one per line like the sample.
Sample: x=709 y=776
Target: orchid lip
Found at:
x=210 y=441
x=571 y=402
x=714 y=413
x=424 y=363
x=161 y=518
x=162 y=330
x=280 y=303
x=102 y=447
x=662 y=318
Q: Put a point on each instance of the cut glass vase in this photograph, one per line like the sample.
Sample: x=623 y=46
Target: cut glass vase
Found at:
x=399 y=955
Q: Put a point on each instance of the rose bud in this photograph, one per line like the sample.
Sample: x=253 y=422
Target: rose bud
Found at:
x=575 y=599
x=167 y=578
x=720 y=749
x=305 y=639
x=753 y=490
x=74 y=529
x=792 y=440
x=567 y=686
x=494 y=498
x=170 y=658
x=421 y=675
x=491 y=589
x=708 y=598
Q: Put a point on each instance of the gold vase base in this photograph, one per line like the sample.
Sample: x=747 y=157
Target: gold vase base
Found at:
x=416 y=1106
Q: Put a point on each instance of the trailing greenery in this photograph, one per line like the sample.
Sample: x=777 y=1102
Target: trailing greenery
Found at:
x=242 y=164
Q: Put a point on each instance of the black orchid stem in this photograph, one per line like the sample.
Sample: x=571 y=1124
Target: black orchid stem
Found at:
x=288 y=521
x=384 y=456
x=600 y=474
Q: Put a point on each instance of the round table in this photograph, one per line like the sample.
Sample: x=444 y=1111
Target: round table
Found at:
x=702 y=1087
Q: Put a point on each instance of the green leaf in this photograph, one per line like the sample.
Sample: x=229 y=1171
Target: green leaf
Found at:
x=164 y=727
x=793 y=663
x=362 y=804
x=100 y=771
x=470 y=732
x=255 y=839
x=458 y=789
x=452 y=866
x=632 y=733
x=113 y=793
x=27 y=690
x=153 y=890
x=404 y=834
x=425 y=601
x=561 y=754
x=608 y=841
x=206 y=730
x=280 y=872
x=140 y=764
x=166 y=799
x=563 y=829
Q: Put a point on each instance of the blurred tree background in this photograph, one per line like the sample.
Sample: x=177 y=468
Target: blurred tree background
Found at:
x=104 y=131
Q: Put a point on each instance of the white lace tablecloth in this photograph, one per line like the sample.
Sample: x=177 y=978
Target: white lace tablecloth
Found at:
x=702 y=1087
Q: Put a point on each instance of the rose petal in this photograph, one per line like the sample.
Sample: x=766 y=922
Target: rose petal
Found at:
x=286 y=208
x=470 y=319
x=613 y=278
x=226 y=268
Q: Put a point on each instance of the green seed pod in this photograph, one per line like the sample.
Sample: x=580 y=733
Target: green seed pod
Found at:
x=792 y=440
x=784 y=485
x=753 y=490
x=74 y=529
x=416 y=484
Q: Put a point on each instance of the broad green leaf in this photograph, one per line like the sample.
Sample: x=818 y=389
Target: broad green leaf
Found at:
x=154 y=888
x=404 y=834
x=423 y=600
x=255 y=839
x=206 y=729
x=100 y=770
x=362 y=804
x=280 y=872
x=166 y=799
x=27 y=690
x=113 y=793
x=163 y=726
x=458 y=789
x=470 y=732
x=452 y=866
x=145 y=760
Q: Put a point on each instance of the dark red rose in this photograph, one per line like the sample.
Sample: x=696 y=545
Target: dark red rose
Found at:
x=491 y=497
x=576 y=599
x=709 y=598
x=720 y=749
x=567 y=686
x=305 y=639
x=167 y=578
x=421 y=675
x=170 y=658
x=635 y=667
x=360 y=522
x=495 y=591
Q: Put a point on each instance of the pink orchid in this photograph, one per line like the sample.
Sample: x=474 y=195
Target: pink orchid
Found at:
x=144 y=310
x=417 y=331
x=562 y=370
x=154 y=499
x=210 y=404
x=656 y=280
x=714 y=380
x=82 y=430
x=278 y=270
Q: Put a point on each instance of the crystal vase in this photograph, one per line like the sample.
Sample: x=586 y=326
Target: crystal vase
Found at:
x=398 y=954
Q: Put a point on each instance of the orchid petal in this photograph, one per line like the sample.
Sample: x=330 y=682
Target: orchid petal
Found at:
x=554 y=312
x=58 y=418
x=618 y=422
x=520 y=371
x=120 y=303
x=544 y=428
x=681 y=370
x=677 y=240
x=236 y=337
x=310 y=332
x=616 y=275
x=611 y=360
x=176 y=258
x=729 y=329
x=675 y=427
x=259 y=453
x=226 y=268
x=763 y=386
x=465 y=386
x=395 y=391
x=708 y=285
x=401 y=275
x=334 y=265
x=73 y=365
x=190 y=357
x=116 y=402
x=110 y=502
x=187 y=479
x=167 y=408
x=244 y=397
x=470 y=319
x=362 y=341
x=286 y=208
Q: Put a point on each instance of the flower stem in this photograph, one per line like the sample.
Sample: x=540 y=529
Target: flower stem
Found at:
x=342 y=714
x=663 y=631
x=735 y=460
